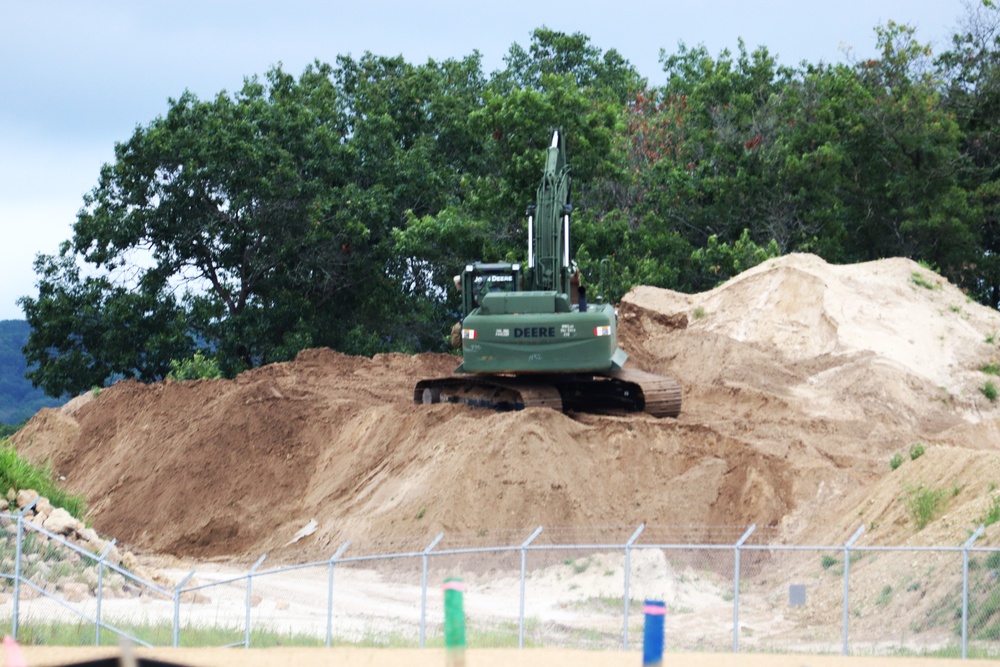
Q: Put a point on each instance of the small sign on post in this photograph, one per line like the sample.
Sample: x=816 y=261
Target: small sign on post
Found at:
x=797 y=595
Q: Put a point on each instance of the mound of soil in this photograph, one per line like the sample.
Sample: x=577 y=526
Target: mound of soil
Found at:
x=801 y=381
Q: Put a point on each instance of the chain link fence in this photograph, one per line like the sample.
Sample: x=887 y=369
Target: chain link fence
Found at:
x=726 y=589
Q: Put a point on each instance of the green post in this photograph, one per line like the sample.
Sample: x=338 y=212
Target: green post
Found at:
x=454 y=621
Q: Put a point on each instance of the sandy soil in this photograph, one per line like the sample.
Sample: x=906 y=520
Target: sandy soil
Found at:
x=801 y=381
x=50 y=656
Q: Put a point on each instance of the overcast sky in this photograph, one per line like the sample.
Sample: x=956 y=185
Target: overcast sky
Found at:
x=75 y=77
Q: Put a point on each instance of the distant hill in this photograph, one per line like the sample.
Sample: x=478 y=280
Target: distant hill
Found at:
x=18 y=399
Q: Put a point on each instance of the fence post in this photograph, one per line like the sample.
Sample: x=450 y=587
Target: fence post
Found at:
x=100 y=587
x=524 y=567
x=965 y=588
x=736 y=587
x=17 y=568
x=329 y=595
x=628 y=570
x=246 y=636
x=177 y=607
x=423 y=592
x=847 y=578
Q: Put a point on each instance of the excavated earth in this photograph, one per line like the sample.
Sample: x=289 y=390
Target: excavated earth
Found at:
x=801 y=381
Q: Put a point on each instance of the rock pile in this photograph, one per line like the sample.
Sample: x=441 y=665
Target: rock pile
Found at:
x=58 y=521
x=42 y=558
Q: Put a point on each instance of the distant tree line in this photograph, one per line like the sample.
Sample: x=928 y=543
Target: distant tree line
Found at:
x=332 y=209
x=18 y=399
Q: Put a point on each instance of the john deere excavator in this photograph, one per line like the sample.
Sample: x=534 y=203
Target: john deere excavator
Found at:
x=530 y=338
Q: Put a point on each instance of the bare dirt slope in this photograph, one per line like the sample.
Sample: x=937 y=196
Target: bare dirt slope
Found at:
x=801 y=380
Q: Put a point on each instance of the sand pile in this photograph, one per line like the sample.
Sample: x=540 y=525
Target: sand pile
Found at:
x=801 y=380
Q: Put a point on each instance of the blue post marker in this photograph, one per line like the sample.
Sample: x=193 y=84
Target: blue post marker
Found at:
x=652 y=634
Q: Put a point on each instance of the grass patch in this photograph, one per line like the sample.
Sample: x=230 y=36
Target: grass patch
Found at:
x=991 y=368
x=56 y=633
x=896 y=461
x=924 y=504
x=579 y=566
x=919 y=280
x=885 y=597
x=992 y=513
x=81 y=633
x=916 y=451
x=602 y=604
x=699 y=313
x=18 y=473
x=990 y=338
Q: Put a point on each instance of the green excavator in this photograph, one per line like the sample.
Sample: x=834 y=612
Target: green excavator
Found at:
x=531 y=337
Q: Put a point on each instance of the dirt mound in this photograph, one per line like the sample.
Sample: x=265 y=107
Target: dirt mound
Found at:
x=801 y=380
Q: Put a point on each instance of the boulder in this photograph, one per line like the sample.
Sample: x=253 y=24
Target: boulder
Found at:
x=75 y=591
x=59 y=522
x=25 y=497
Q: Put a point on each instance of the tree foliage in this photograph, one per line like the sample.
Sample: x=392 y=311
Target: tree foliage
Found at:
x=334 y=208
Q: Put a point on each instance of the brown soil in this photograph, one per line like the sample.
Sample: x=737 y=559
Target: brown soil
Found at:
x=801 y=380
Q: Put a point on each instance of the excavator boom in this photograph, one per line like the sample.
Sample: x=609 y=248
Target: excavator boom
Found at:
x=532 y=338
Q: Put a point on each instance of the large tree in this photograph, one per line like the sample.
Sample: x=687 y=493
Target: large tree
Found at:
x=971 y=68
x=254 y=224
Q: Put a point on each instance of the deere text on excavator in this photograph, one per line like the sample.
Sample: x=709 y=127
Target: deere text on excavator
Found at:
x=531 y=338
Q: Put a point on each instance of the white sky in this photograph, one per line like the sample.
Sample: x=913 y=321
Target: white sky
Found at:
x=75 y=77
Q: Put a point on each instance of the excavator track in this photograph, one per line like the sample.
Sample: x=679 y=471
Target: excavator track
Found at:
x=615 y=391
x=661 y=393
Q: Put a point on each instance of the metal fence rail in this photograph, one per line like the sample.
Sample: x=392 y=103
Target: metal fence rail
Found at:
x=725 y=590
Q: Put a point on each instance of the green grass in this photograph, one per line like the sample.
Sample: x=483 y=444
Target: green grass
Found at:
x=991 y=368
x=896 y=461
x=916 y=451
x=699 y=313
x=885 y=597
x=18 y=473
x=579 y=566
x=80 y=633
x=56 y=633
x=918 y=279
x=604 y=604
x=992 y=514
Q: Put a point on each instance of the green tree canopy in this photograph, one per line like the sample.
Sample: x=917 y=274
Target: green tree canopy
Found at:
x=333 y=209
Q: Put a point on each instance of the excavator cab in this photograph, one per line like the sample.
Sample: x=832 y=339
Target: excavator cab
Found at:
x=481 y=278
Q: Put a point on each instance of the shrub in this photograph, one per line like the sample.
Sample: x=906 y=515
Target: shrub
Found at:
x=989 y=390
x=916 y=451
x=923 y=504
x=198 y=367
x=896 y=460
